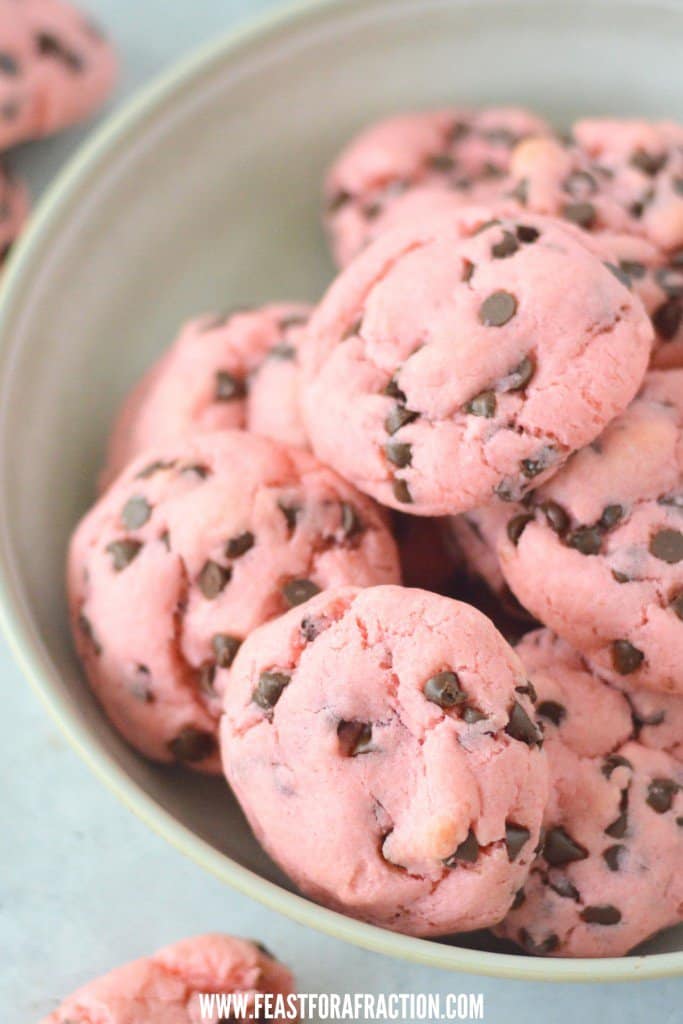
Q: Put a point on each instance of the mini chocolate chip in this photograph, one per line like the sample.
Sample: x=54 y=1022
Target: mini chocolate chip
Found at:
x=614 y=761
x=580 y=183
x=338 y=199
x=269 y=689
x=556 y=517
x=192 y=745
x=670 y=281
x=467 y=270
x=207 y=674
x=212 y=579
x=282 y=351
x=518 y=378
x=297 y=591
x=401 y=492
x=553 y=711
x=547 y=945
x=620 y=577
x=372 y=210
x=564 y=888
x=399 y=454
x=671 y=500
x=228 y=387
x=529 y=690
x=527 y=234
x=625 y=657
x=679 y=821
x=398 y=417
x=518 y=900
x=48 y=45
x=472 y=715
x=498 y=309
x=604 y=914
x=636 y=209
x=8 y=65
x=667 y=319
x=86 y=628
x=353 y=329
x=617 y=830
x=507 y=246
x=613 y=855
x=587 y=540
x=619 y=272
x=311 y=628
x=517 y=525
x=515 y=838
x=483 y=404
x=521 y=727
x=611 y=516
x=225 y=647
x=667 y=545
x=350 y=520
x=532 y=467
x=444 y=689
x=354 y=738
x=441 y=162
x=468 y=851
x=239 y=545
x=559 y=848
x=582 y=213
x=660 y=795
x=633 y=268
x=291 y=514
x=520 y=192
x=648 y=163
x=165 y=539
x=135 y=512
x=196 y=469
x=677 y=605
x=123 y=552
x=393 y=390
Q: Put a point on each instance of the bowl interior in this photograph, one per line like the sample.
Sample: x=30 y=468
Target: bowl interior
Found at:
x=205 y=195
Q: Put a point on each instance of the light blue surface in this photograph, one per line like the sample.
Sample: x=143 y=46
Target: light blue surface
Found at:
x=83 y=885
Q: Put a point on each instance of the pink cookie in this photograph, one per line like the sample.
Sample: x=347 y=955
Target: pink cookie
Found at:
x=598 y=554
x=14 y=207
x=193 y=546
x=382 y=745
x=165 y=988
x=608 y=876
x=463 y=153
x=56 y=68
x=237 y=371
x=428 y=561
x=451 y=361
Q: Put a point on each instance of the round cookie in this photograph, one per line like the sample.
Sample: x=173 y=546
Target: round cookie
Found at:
x=460 y=153
x=597 y=555
x=382 y=745
x=165 y=988
x=191 y=548
x=239 y=370
x=608 y=875
x=462 y=366
x=56 y=68
x=14 y=208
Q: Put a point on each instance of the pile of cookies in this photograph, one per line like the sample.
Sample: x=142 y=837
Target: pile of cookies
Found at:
x=408 y=567
x=56 y=68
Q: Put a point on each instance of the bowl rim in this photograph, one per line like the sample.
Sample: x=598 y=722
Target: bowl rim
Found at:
x=78 y=175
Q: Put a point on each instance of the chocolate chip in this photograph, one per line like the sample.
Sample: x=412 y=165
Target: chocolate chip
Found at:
x=521 y=727
x=553 y=711
x=123 y=552
x=207 y=674
x=582 y=213
x=526 y=234
x=467 y=852
x=532 y=467
x=398 y=417
x=547 y=945
x=393 y=390
x=239 y=545
x=619 y=272
x=441 y=162
x=517 y=525
x=338 y=200
x=269 y=689
x=196 y=469
x=617 y=830
x=498 y=309
x=192 y=745
x=667 y=319
x=515 y=838
x=520 y=192
x=518 y=378
x=291 y=514
x=212 y=579
x=228 y=387
x=136 y=512
x=311 y=628
x=401 y=492
x=605 y=914
x=444 y=689
x=483 y=404
x=518 y=900
x=671 y=501
x=625 y=657
x=48 y=45
x=8 y=65
x=225 y=647
x=351 y=523
x=611 y=517
x=399 y=454
x=472 y=715
x=556 y=517
x=354 y=738
x=613 y=855
x=353 y=329
x=529 y=690
x=564 y=888
x=372 y=210
x=467 y=270
x=580 y=183
x=507 y=246
x=648 y=163
x=297 y=591
x=620 y=577
x=282 y=351
x=633 y=268
x=670 y=281
x=559 y=847
x=660 y=795
x=612 y=762
x=86 y=628
x=587 y=540
x=677 y=605
x=667 y=545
